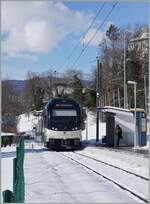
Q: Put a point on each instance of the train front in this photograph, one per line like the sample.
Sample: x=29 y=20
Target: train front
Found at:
x=63 y=124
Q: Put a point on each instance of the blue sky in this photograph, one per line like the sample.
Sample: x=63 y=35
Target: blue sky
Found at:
x=41 y=36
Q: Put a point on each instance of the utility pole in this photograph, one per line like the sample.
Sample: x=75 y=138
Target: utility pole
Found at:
x=97 y=99
x=124 y=69
x=135 y=136
x=145 y=91
x=105 y=100
x=54 y=82
x=108 y=99
x=125 y=85
x=113 y=97
x=135 y=111
x=119 y=97
x=127 y=104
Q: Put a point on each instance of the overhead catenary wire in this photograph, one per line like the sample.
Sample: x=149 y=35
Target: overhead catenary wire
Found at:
x=82 y=51
x=99 y=11
x=89 y=27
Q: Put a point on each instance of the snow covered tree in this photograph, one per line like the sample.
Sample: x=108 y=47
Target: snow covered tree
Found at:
x=112 y=58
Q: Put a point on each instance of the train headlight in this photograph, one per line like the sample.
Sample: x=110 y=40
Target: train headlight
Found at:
x=56 y=128
x=53 y=128
x=74 y=128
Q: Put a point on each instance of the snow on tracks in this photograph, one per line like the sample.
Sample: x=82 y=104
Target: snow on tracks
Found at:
x=127 y=181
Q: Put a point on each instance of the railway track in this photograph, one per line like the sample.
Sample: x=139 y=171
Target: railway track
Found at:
x=138 y=186
x=127 y=150
x=87 y=156
x=139 y=152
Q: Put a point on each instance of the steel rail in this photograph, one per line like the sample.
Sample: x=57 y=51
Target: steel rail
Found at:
x=142 y=177
x=109 y=179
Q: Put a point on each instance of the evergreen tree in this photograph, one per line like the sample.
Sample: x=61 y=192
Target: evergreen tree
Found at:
x=77 y=89
x=113 y=33
x=38 y=98
x=90 y=93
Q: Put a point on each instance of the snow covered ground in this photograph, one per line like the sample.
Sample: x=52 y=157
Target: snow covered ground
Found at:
x=90 y=132
x=49 y=177
x=26 y=123
x=58 y=179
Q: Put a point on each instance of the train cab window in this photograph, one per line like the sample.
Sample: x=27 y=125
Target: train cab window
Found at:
x=64 y=112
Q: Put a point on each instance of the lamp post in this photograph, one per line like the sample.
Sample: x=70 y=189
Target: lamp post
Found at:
x=97 y=99
x=134 y=84
x=145 y=93
x=124 y=67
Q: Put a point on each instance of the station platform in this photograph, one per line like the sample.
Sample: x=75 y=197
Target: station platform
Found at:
x=137 y=150
x=129 y=149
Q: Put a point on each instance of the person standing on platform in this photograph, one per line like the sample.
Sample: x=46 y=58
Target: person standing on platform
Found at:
x=118 y=133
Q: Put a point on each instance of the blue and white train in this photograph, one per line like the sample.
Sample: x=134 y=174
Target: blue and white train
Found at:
x=62 y=123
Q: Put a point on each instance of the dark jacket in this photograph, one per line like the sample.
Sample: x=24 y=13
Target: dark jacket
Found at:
x=119 y=132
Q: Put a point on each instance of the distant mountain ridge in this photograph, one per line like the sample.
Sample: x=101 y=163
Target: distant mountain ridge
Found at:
x=19 y=85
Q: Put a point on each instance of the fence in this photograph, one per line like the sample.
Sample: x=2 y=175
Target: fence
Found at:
x=18 y=177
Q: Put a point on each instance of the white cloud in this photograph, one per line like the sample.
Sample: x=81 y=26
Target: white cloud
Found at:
x=96 y=40
x=38 y=26
x=36 y=34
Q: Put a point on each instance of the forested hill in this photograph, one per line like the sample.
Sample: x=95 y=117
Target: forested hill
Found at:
x=19 y=85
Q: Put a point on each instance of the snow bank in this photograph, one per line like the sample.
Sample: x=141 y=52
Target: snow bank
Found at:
x=90 y=132
x=7 y=134
x=26 y=123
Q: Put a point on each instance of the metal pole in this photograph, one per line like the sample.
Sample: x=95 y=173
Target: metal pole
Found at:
x=97 y=83
x=135 y=131
x=124 y=71
x=119 y=97
x=127 y=105
x=105 y=100
x=97 y=127
x=108 y=99
x=145 y=91
x=55 y=88
x=86 y=127
x=113 y=97
x=97 y=100
x=135 y=139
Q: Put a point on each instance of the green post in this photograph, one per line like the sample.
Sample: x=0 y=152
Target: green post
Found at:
x=19 y=184
x=22 y=169
x=7 y=196
x=14 y=174
x=18 y=187
x=18 y=178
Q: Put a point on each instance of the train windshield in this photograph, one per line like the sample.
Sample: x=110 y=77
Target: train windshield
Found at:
x=64 y=115
x=64 y=112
